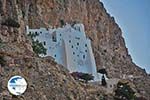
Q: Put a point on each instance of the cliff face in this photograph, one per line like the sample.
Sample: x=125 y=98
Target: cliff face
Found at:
x=107 y=41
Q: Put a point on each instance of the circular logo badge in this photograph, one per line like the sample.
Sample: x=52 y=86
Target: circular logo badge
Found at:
x=17 y=85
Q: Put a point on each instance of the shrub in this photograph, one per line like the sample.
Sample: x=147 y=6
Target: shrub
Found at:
x=37 y=46
x=102 y=71
x=124 y=92
x=85 y=76
x=10 y=22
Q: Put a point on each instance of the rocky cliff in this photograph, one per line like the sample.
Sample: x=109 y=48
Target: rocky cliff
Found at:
x=107 y=43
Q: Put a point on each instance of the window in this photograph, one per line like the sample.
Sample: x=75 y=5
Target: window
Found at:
x=40 y=32
x=77 y=43
x=36 y=33
x=60 y=34
x=72 y=46
x=69 y=41
x=54 y=39
x=85 y=45
x=54 y=55
x=73 y=53
x=44 y=43
x=83 y=56
x=85 y=50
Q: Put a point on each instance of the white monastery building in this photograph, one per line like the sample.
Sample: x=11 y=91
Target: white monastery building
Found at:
x=70 y=47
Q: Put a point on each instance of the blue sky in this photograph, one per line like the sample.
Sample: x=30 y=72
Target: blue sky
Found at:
x=133 y=16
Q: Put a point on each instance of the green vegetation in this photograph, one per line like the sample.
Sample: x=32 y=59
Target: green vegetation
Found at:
x=37 y=46
x=124 y=92
x=2 y=61
x=85 y=76
x=11 y=22
x=102 y=71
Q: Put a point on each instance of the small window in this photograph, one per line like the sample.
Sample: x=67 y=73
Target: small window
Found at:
x=44 y=43
x=77 y=55
x=77 y=43
x=54 y=55
x=54 y=38
x=69 y=41
x=83 y=56
x=60 y=34
x=40 y=32
x=73 y=53
x=85 y=50
x=30 y=32
x=85 y=45
x=36 y=33
x=72 y=46
x=79 y=30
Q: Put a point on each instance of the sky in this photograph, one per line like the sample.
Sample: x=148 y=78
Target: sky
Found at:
x=133 y=16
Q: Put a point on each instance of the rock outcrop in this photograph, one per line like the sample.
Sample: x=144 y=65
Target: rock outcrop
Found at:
x=107 y=43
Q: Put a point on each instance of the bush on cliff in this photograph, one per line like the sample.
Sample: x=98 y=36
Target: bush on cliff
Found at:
x=11 y=22
x=124 y=92
x=37 y=46
x=85 y=76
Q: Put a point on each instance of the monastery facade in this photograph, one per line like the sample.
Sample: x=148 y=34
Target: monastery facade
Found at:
x=70 y=47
